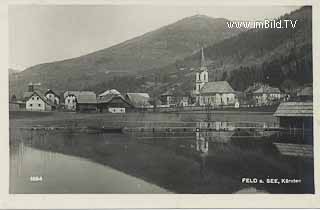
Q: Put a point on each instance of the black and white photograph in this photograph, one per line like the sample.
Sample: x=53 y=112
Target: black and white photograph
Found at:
x=160 y=99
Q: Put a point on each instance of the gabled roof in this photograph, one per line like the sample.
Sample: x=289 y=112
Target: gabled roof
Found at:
x=108 y=92
x=267 y=89
x=51 y=91
x=139 y=99
x=87 y=97
x=294 y=109
x=109 y=98
x=168 y=93
x=216 y=87
x=41 y=96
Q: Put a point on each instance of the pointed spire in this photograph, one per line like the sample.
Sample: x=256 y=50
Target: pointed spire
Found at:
x=203 y=61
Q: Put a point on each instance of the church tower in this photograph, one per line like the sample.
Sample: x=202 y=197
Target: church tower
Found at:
x=202 y=74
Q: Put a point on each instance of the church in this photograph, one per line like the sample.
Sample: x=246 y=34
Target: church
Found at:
x=217 y=93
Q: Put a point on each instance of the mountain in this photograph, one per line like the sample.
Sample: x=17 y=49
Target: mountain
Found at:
x=278 y=57
x=152 y=50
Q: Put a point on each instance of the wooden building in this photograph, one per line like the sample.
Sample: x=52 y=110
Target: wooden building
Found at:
x=297 y=119
x=114 y=104
x=87 y=102
x=139 y=100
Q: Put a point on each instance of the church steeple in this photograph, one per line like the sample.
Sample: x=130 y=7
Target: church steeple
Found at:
x=202 y=76
x=203 y=61
x=203 y=64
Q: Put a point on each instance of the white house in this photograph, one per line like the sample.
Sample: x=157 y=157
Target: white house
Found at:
x=37 y=102
x=52 y=96
x=266 y=95
x=71 y=97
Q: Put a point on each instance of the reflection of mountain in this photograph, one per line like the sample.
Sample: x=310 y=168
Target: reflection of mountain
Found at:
x=183 y=169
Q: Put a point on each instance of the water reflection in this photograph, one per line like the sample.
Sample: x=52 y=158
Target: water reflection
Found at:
x=203 y=157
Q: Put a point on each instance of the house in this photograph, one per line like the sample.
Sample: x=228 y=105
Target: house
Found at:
x=297 y=118
x=114 y=104
x=184 y=101
x=109 y=92
x=168 y=98
x=305 y=94
x=266 y=95
x=71 y=97
x=139 y=100
x=17 y=105
x=218 y=93
x=86 y=102
x=52 y=96
x=38 y=102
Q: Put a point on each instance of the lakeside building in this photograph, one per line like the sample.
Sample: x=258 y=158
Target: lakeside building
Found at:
x=87 y=102
x=266 y=95
x=139 y=100
x=305 y=94
x=114 y=103
x=52 y=96
x=168 y=98
x=109 y=92
x=38 y=102
x=71 y=99
x=297 y=118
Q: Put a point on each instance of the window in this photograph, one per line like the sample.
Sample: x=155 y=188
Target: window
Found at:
x=199 y=77
x=68 y=100
x=30 y=105
x=39 y=105
x=32 y=98
x=37 y=98
x=204 y=76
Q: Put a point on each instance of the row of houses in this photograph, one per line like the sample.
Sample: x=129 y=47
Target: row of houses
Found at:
x=83 y=101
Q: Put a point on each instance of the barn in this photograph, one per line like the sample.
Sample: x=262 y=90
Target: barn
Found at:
x=297 y=119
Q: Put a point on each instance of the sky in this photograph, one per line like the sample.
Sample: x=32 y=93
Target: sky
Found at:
x=47 y=33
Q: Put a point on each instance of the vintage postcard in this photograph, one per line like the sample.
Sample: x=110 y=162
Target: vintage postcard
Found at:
x=159 y=104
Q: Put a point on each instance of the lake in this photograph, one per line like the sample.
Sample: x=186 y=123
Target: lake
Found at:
x=73 y=160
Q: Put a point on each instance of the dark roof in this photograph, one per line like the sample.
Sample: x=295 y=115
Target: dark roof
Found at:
x=108 y=99
x=267 y=89
x=51 y=91
x=86 y=97
x=217 y=87
x=41 y=96
x=109 y=92
x=169 y=92
x=294 y=109
x=139 y=99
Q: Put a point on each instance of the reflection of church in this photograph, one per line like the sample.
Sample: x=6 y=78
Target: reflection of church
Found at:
x=211 y=93
x=202 y=143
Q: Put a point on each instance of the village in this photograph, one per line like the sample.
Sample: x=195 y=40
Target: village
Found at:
x=205 y=96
